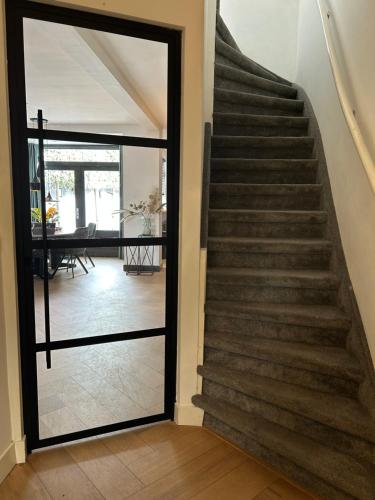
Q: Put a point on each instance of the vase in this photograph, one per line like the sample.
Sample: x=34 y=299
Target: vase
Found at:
x=147 y=226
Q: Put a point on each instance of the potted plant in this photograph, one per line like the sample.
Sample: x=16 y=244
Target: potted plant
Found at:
x=144 y=209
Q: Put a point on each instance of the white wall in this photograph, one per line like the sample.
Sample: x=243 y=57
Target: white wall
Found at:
x=265 y=31
x=354 y=31
x=141 y=176
x=352 y=194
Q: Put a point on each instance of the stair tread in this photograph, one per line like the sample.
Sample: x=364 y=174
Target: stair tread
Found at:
x=272 y=241
x=294 y=276
x=260 y=82
x=259 y=165
x=256 y=139
x=244 y=62
x=241 y=95
x=319 y=316
x=245 y=118
x=340 y=412
x=330 y=465
x=330 y=360
x=270 y=215
x=272 y=187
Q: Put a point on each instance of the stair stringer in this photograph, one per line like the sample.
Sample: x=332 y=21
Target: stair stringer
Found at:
x=356 y=340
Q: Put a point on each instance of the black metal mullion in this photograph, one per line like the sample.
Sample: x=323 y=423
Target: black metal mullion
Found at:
x=90 y=20
x=99 y=242
x=104 y=429
x=21 y=194
x=173 y=186
x=76 y=165
x=99 y=139
x=100 y=339
x=47 y=328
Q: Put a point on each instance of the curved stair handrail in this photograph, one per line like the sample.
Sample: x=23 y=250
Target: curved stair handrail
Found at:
x=353 y=125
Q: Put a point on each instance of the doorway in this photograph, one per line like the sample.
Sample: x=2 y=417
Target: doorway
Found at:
x=96 y=214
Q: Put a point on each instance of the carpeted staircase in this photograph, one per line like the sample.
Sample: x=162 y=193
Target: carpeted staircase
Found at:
x=286 y=371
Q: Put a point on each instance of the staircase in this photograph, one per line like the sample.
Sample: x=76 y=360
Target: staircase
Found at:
x=281 y=377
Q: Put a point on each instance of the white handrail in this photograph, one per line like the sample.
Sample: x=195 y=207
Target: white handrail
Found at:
x=348 y=111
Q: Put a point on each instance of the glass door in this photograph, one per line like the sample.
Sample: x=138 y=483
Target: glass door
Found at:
x=96 y=221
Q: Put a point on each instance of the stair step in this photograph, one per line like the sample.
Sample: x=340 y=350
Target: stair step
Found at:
x=237 y=79
x=227 y=146
x=239 y=60
x=238 y=124
x=341 y=413
x=331 y=361
x=267 y=223
x=264 y=171
x=280 y=463
x=333 y=468
x=223 y=32
x=265 y=196
x=236 y=101
x=273 y=277
x=271 y=253
x=223 y=348
x=291 y=314
x=272 y=285
x=313 y=325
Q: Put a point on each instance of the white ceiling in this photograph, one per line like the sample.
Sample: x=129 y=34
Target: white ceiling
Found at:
x=85 y=77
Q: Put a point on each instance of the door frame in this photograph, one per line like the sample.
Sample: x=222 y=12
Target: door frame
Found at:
x=16 y=10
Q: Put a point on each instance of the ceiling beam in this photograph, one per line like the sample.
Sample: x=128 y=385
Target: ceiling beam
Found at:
x=97 y=43
x=89 y=52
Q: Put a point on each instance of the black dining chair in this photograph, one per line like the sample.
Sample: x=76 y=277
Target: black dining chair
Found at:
x=91 y=234
x=74 y=254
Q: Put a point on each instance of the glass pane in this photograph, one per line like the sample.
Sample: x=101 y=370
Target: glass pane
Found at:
x=100 y=291
x=102 y=199
x=97 y=385
x=91 y=81
x=61 y=196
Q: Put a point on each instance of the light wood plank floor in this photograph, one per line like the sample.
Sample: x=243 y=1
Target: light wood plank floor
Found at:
x=159 y=462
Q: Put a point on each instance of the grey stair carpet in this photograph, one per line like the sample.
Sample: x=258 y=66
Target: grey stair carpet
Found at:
x=280 y=378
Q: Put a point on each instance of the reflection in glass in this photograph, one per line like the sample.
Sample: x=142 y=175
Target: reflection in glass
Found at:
x=99 y=385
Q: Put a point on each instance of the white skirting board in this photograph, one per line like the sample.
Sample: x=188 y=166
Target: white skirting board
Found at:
x=188 y=415
x=14 y=454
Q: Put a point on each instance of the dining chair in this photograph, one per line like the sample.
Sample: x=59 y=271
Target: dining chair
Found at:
x=74 y=254
x=91 y=234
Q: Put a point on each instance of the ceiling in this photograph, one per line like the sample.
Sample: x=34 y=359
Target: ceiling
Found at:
x=84 y=77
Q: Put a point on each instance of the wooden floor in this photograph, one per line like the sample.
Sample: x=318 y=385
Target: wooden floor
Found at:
x=164 y=461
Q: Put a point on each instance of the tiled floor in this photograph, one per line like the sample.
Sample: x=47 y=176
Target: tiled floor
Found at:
x=105 y=383
x=159 y=462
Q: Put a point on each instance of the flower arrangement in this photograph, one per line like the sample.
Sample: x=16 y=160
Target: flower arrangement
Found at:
x=51 y=215
x=144 y=209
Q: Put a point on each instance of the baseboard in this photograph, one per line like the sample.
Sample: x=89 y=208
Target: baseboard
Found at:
x=20 y=450
x=188 y=415
x=7 y=461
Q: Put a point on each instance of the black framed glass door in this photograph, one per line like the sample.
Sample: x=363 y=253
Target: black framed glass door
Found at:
x=98 y=331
